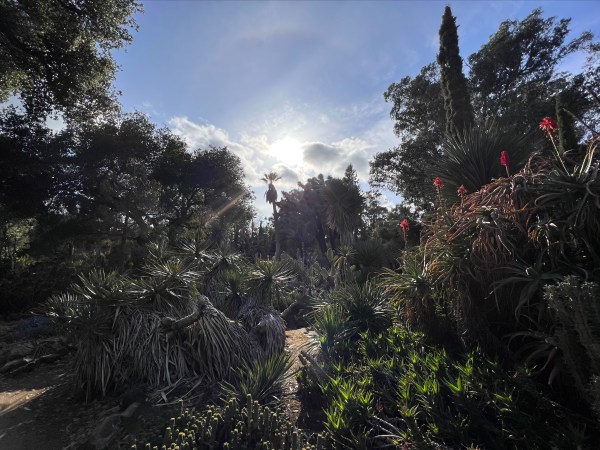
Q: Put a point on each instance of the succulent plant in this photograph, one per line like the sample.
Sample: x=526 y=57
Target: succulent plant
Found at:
x=234 y=426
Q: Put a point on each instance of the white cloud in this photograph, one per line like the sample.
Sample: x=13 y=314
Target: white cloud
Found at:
x=257 y=157
x=334 y=158
x=202 y=136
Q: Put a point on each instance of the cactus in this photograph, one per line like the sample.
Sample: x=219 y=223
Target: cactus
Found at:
x=235 y=427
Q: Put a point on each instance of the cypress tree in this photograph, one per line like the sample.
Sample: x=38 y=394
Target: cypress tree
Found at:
x=567 y=140
x=457 y=101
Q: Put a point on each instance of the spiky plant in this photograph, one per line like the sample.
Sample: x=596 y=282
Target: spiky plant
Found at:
x=265 y=325
x=155 y=329
x=472 y=158
x=235 y=425
x=344 y=205
x=232 y=292
x=330 y=322
x=370 y=257
x=366 y=306
x=341 y=266
x=263 y=379
x=270 y=282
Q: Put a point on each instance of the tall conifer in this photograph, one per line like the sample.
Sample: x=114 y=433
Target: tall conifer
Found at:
x=457 y=101
x=567 y=140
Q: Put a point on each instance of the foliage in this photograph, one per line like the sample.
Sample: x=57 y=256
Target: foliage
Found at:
x=233 y=426
x=418 y=115
x=270 y=282
x=123 y=329
x=472 y=158
x=513 y=75
x=265 y=325
x=262 y=379
x=57 y=55
x=396 y=390
x=513 y=80
x=348 y=311
x=457 y=102
x=570 y=342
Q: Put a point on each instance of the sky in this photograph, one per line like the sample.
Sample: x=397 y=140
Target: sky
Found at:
x=297 y=87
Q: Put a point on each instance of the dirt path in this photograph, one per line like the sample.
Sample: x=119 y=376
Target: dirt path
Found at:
x=295 y=341
x=39 y=410
x=31 y=409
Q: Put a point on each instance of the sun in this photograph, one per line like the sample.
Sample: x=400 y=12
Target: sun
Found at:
x=288 y=151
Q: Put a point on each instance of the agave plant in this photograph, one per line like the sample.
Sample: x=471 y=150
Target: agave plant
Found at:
x=330 y=322
x=263 y=379
x=366 y=306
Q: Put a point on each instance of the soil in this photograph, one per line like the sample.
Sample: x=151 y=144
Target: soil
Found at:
x=40 y=410
x=295 y=341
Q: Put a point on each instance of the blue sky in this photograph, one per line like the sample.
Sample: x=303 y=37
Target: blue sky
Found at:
x=294 y=86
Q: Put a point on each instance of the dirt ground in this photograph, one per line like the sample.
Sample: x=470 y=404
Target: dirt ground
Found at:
x=39 y=410
x=295 y=341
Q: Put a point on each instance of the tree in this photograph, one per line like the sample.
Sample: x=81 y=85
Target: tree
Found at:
x=418 y=115
x=350 y=176
x=344 y=206
x=56 y=54
x=271 y=197
x=457 y=101
x=205 y=187
x=514 y=76
x=513 y=80
x=28 y=164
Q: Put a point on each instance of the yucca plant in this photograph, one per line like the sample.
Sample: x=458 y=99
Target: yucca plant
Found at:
x=370 y=258
x=341 y=264
x=472 y=159
x=232 y=292
x=215 y=265
x=155 y=329
x=266 y=327
x=270 y=282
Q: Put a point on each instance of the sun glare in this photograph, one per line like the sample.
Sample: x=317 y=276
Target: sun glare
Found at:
x=288 y=151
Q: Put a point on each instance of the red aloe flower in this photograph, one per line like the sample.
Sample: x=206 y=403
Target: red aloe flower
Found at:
x=405 y=225
x=462 y=190
x=505 y=161
x=548 y=124
x=438 y=183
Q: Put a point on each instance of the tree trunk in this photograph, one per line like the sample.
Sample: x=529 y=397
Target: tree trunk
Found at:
x=124 y=239
x=277 y=239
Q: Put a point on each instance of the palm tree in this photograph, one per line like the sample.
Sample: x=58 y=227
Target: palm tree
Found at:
x=344 y=205
x=271 y=197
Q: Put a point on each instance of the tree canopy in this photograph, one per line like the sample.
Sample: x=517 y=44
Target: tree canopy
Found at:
x=56 y=55
x=513 y=80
